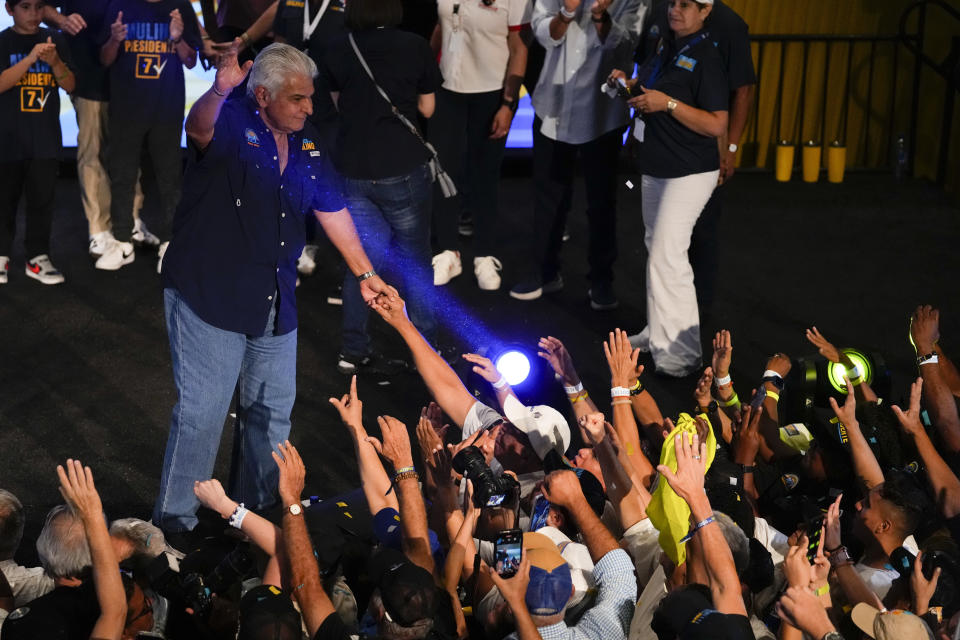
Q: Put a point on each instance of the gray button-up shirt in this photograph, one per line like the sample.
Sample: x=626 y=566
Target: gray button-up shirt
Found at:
x=568 y=98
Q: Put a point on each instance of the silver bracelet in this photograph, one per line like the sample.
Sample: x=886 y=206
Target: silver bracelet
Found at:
x=365 y=276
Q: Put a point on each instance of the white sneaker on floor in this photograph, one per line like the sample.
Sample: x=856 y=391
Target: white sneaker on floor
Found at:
x=142 y=237
x=446 y=267
x=306 y=263
x=4 y=267
x=117 y=255
x=641 y=340
x=100 y=242
x=163 y=250
x=40 y=268
x=487 y=269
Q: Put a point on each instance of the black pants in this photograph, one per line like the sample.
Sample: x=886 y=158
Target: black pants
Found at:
x=129 y=139
x=553 y=172
x=704 y=254
x=37 y=180
x=460 y=132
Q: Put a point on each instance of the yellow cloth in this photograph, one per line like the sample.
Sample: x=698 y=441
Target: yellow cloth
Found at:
x=667 y=511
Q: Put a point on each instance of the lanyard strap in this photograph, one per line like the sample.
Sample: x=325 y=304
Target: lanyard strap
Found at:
x=309 y=26
x=658 y=65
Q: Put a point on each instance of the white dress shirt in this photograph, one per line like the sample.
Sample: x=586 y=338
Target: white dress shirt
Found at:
x=568 y=98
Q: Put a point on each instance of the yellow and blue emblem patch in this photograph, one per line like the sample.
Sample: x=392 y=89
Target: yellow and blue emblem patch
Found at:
x=686 y=63
x=252 y=138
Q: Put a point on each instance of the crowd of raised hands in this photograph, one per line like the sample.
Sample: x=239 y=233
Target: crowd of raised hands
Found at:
x=720 y=522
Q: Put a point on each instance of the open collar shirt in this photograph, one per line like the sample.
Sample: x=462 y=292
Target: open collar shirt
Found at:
x=239 y=228
x=568 y=99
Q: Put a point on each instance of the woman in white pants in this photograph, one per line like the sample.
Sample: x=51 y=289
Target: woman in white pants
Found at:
x=680 y=96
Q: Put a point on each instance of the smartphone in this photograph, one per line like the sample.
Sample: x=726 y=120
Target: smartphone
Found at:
x=507 y=552
x=758 y=399
x=814 y=529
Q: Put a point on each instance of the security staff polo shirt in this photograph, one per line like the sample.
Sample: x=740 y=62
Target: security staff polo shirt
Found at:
x=728 y=31
x=146 y=79
x=691 y=72
x=239 y=228
x=30 y=110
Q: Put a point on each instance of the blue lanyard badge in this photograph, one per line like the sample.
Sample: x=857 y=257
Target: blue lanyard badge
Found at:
x=657 y=67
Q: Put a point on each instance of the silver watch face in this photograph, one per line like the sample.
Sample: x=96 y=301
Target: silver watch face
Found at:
x=295 y=509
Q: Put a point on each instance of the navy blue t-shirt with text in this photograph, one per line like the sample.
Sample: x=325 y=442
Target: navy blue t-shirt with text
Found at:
x=146 y=80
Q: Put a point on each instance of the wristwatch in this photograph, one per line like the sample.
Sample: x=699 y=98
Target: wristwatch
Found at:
x=671 y=105
x=295 y=509
x=832 y=635
x=775 y=381
x=733 y=147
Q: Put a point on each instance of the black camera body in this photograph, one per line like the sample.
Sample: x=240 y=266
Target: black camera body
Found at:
x=488 y=489
x=194 y=589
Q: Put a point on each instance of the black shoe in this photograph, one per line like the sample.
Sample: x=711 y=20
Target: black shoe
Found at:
x=602 y=297
x=373 y=363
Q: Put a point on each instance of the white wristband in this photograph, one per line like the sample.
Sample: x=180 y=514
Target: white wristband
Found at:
x=500 y=384
x=572 y=391
x=619 y=392
x=569 y=15
x=854 y=372
x=934 y=359
x=722 y=382
x=236 y=519
x=770 y=373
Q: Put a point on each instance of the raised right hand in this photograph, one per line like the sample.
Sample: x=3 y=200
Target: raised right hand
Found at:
x=118 y=30
x=229 y=72
x=77 y=488
x=350 y=407
x=722 y=353
x=210 y=493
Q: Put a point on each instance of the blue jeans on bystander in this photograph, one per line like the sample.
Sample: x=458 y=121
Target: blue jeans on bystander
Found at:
x=392 y=217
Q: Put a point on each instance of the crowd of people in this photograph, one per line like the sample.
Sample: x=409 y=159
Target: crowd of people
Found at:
x=499 y=519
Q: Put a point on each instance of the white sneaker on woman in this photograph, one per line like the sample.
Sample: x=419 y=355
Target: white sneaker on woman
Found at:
x=116 y=255
x=487 y=269
x=446 y=267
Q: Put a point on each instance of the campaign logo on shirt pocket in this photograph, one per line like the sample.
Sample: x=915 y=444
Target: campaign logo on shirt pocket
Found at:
x=149 y=66
x=308 y=145
x=33 y=99
x=686 y=63
x=252 y=138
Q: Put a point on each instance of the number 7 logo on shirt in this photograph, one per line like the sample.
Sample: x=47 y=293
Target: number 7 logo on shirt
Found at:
x=149 y=66
x=32 y=99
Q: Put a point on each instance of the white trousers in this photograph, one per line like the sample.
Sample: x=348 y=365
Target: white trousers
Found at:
x=671 y=207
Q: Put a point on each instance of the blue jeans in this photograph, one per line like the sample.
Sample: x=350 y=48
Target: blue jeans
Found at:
x=208 y=365
x=392 y=217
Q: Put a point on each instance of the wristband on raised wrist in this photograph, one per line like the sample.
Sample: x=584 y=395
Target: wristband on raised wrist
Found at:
x=930 y=358
x=567 y=16
x=619 y=392
x=636 y=389
x=499 y=384
x=236 y=518
x=722 y=381
x=575 y=390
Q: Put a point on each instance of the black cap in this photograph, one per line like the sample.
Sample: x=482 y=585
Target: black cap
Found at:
x=407 y=591
x=267 y=613
x=677 y=609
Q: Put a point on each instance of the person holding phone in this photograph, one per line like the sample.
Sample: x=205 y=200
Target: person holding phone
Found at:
x=681 y=100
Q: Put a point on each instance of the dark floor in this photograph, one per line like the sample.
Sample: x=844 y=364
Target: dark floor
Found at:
x=85 y=367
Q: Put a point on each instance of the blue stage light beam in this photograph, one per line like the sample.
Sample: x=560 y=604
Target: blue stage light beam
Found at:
x=514 y=365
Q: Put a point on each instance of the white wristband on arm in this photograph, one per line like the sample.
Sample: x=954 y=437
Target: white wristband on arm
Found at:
x=770 y=373
x=572 y=391
x=619 y=392
x=500 y=384
x=236 y=519
x=722 y=382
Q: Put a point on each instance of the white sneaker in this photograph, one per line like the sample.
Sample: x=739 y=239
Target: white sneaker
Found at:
x=40 y=268
x=100 y=242
x=446 y=267
x=160 y=253
x=4 y=267
x=119 y=254
x=641 y=340
x=487 y=269
x=306 y=263
x=142 y=237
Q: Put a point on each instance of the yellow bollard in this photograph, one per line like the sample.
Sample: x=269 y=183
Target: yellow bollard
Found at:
x=784 y=165
x=836 y=162
x=811 y=161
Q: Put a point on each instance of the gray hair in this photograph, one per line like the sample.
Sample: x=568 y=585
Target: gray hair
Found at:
x=146 y=538
x=62 y=545
x=275 y=64
x=12 y=520
x=392 y=631
x=736 y=540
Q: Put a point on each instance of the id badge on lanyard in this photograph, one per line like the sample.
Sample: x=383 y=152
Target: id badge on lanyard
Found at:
x=309 y=26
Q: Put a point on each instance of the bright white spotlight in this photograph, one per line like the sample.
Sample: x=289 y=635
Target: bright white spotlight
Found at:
x=514 y=366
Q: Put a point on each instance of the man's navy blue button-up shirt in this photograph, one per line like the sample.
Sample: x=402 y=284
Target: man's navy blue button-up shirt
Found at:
x=239 y=228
